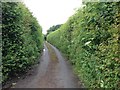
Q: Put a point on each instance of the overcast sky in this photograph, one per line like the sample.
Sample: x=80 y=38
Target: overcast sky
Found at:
x=52 y=12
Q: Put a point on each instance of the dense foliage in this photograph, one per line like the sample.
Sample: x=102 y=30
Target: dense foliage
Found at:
x=22 y=39
x=53 y=28
x=91 y=41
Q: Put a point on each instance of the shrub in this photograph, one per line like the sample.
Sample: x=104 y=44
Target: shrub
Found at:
x=91 y=41
x=22 y=39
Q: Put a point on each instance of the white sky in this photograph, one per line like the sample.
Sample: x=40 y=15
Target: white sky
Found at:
x=52 y=12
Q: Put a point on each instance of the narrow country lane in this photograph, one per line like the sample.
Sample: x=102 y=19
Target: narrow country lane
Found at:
x=81 y=41
x=52 y=72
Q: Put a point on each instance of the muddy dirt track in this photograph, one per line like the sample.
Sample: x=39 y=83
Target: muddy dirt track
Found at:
x=53 y=71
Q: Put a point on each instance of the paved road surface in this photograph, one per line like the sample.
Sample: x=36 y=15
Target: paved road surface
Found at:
x=52 y=72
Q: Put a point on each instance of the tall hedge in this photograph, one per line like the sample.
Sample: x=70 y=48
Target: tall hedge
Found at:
x=91 y=41
x=22 y=39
